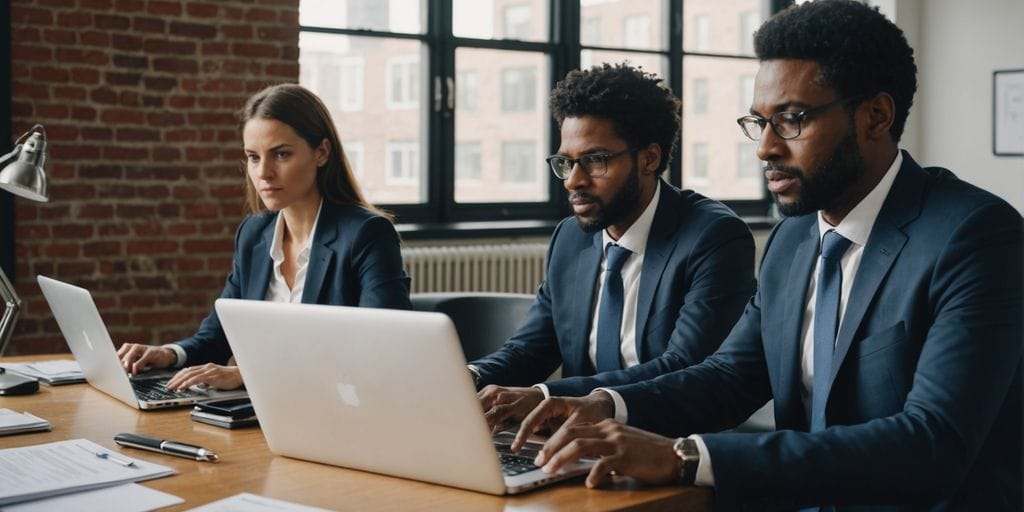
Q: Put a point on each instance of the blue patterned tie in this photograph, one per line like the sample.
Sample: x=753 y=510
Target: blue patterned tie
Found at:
x=609 y=313
x=826 y=321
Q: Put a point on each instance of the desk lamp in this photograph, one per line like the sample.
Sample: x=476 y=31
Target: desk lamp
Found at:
x=21 y=173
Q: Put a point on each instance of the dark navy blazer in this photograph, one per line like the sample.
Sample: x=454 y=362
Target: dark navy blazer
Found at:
x=924 y=405
x=354 y=260
x=697 y=274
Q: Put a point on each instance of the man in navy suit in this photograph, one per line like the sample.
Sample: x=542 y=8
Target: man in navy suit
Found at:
x=682 y=264
x=894 y=357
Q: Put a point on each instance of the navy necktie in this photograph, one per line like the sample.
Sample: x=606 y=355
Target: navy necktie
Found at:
x=826 y=321
x=609 y=313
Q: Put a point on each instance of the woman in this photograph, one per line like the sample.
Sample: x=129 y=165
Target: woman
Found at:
x=311 y=236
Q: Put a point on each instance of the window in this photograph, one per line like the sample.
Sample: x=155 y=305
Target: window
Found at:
x=402 y=161
x=746 y=94
x=519 y=162
x=518 y=90
x=403 y=87
x=636 y=32
x=749 y=21
x=354 y=152
x=700 y=96
x=700 y=161
x=748 y=167
x=446 y=126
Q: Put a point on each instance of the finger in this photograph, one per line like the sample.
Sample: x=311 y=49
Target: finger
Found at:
x=142 y=361
x=533 y=421
x=180 y=377
x=575 y=450
x=601 y=474
x=499 y=417
x=565 y=435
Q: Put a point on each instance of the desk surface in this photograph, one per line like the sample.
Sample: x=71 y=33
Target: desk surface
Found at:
x=80 y=411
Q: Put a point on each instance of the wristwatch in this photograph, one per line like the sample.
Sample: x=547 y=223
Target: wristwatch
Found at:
x=686 y=450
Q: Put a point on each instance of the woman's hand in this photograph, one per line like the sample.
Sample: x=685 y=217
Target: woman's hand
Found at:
x=213 y=375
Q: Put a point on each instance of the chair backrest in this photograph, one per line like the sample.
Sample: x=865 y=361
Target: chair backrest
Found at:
x=483 y=320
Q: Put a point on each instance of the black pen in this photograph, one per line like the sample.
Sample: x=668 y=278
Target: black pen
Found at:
x=189 y=451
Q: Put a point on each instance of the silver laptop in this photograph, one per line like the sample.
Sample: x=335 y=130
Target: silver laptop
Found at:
x=383 y=390
x=89 y=341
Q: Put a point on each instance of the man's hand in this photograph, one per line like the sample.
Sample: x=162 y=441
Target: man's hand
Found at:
x=624 y=451
x=136 y=358
x=555 y=412
x=213 y=375
x=504 y=407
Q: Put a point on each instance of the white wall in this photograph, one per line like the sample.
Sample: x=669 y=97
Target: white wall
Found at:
x=958 y=44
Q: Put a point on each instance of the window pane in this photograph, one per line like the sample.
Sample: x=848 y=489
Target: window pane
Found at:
x=726 y=87
x=501 y=142
x=375 y=91
x=636 y=24
x=722 y=26
x=524 y=20
x=651 y=63
x=405 y=16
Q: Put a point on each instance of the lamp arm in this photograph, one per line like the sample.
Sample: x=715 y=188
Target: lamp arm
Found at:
x=12 y=304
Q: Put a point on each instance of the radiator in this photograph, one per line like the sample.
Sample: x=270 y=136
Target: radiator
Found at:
x=510 y=268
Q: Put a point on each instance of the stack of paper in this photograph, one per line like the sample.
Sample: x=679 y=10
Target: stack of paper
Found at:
x=60 y=371
x=15 y=423
x=40 y=471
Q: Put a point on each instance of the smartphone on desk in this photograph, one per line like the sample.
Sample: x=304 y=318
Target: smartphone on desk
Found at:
x=236 y=408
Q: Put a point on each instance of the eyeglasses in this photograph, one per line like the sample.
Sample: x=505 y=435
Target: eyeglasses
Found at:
x=785 y=124
x=595 y=165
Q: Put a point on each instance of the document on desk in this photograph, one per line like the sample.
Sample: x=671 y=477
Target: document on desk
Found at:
x=246 y=502
x=12 y=422
x=33 y=472
x=119 y=498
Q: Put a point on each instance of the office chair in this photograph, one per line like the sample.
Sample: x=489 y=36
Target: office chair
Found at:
x=483 y=320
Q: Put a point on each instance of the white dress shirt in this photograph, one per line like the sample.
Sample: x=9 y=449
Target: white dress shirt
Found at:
x=634 y=239
x=856 y=227
x=277 y=289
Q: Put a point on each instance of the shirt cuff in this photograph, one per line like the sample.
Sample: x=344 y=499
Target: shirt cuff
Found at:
x=705 y=477
x=543 y=389
x=621 y=414
x=180 y=352
x=476 y=374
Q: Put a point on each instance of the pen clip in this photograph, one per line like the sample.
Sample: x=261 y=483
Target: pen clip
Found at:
x=128 y=463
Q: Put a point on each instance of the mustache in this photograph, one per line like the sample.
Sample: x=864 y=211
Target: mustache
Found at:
x=583 y=196
x=777 y=167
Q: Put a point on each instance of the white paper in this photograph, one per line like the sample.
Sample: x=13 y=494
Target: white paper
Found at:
x=246 y=502
x=12 y=422
x=119 y=498
x=58 y=370
x=33 y=472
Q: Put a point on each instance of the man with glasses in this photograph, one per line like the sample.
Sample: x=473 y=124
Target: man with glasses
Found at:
x=887 y=321
x=644 y=278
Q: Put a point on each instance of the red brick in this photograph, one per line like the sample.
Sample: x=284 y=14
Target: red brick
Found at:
x=85 y=76
x=283 y=70
x=61 y=250
x=129 y=5
x=69 y=152
x=150 y=25
x=168 y=210
x=166 y=154
x=126 y=42
x=256 y=50
x=25 y=34
x=123 y=116
x=137 y=300
x=154 y=192
x=29 y=16
x=103 y=248
x=97 y=133
x=181 y=229
x=74 y=19
x=131 y=61
x=201 y=154
x=98 y=5
x=109 y=22
x=74 y=55
x=76 y=268
x=95 y=211
x=209 y=102
x=237 y=31
x=151 y=45
x=165 y=119
x=149 y=229
x=164 y=8
x=202 y=211
x=181 y=101
x=212 y=48
x=55 y=37
x=65 y=231
x=278 y=33
x=109 y=230
x=201 y=10
x=151 y=246
x=49 y=74
x=69 y=92
x=94 y=38
x=83 y=113
x=264 y=15
x=161 y=318
x=153 y=101
x=160 y=83
x=137 y=134
x=74 y=190
x=125 y=153
x=187 y=192
x=194 y=30
x=175 y=65
x=30 y=53
x=189 y=264
x=116 y=191
x=209 y=246
x=129 y=79
x=185 y=135
x=163 y=172
x=134 y=211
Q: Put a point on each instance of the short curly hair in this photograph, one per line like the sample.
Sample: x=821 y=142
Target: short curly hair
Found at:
x=639 y=107
x=860 y=51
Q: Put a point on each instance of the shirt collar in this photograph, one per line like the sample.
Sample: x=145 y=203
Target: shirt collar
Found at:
x=277 y=246
x=635 y=238
x=857 y=224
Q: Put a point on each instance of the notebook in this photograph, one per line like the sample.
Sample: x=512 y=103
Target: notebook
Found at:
x=89 y=341
x=385 y=391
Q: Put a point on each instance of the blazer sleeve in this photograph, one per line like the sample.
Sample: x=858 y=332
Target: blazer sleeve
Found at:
x=209 y=344
x=532 y=353
x=966 y=374
x=721 y=281
x=377 y=261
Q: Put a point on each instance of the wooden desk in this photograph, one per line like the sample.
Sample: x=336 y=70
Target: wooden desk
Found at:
x=80 y=411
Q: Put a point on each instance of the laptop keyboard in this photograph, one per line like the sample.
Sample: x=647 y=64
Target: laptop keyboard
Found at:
x=156 y=389
x=513 y=464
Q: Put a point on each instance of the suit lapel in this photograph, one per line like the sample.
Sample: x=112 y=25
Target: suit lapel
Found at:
x=588 y=266
x=656 y=256
x=320 y=253
x=887 y=239
x=262 y=265
x=795 y=302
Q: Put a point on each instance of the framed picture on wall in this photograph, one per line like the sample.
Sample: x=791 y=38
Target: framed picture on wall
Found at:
x=1008 y=112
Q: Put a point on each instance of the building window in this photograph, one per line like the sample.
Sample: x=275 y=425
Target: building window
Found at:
x=465 y=90
x=746 y=93
x=636 y=32
x=700 y=161
x=519 y=162
x=702 y=29
x=749 y=21
x=403 y=82
x=518 y=90
x=590 y=31
x=700 y=96
x=517 y=22
x=468 y=160
x=748 y=165
x=402 y=162
x=354 y=153
x=351 y=82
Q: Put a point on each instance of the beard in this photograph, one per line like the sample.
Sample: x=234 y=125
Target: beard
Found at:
x=826 y=186
x=622 y=204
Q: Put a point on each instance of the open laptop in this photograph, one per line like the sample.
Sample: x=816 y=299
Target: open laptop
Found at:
x=89 y=341
x=383 y=390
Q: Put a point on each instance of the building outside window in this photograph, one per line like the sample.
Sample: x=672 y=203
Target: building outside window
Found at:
x=403 y=87
x=517 y=22
x=636 y=32
x=518 y=90
x=402 y=161
x=468 y=160
x=700 y=96
x=354 y=153
x=465 y=91
x=519 y=162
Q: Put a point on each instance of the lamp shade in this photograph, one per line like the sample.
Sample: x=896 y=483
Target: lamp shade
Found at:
x=21 y=170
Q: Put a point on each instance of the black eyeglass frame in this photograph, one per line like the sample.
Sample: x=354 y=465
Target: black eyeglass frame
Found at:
x=596 y=158
x=797 y=117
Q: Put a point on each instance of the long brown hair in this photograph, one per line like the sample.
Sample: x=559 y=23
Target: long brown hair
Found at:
x=305 y=113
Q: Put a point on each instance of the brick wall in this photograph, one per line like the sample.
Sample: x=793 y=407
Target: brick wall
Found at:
x=138 y=100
